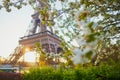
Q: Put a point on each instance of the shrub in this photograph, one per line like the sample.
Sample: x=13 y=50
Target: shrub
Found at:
x=49 y=73
x=80 y=74
x=102 y=72
x=68 y=74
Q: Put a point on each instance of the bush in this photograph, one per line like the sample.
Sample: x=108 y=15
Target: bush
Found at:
x=80 y=74
x=49 y=73
x=10 y=76
x=102 y=72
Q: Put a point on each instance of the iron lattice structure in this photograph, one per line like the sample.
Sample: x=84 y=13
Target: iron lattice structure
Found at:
x=49 y=41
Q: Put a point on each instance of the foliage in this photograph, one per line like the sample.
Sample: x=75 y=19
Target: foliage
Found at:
x=44 y=73
x=108 y=52
x=8 y=4
x=46 y=58
x=108 y=27
x=41 y=54
x=102 y=72
x=67 y=54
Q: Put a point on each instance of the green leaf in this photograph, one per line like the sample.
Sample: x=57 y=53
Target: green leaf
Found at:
x=90 y=38
x=56 y=32
x=19 y=7
x=90 y=24
x=83 y=15
x=88 y=54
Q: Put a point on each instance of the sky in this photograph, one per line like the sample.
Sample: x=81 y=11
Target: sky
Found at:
x=13 y=25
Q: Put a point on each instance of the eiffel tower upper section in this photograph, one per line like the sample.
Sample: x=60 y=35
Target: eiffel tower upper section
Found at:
x=37 y=32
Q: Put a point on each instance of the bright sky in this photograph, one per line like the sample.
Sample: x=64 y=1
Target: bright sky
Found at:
x=13 y=26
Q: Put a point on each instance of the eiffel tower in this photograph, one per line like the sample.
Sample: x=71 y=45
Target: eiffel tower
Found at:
x=36 y=33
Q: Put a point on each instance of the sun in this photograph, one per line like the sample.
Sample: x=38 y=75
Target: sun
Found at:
x=30 y=57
